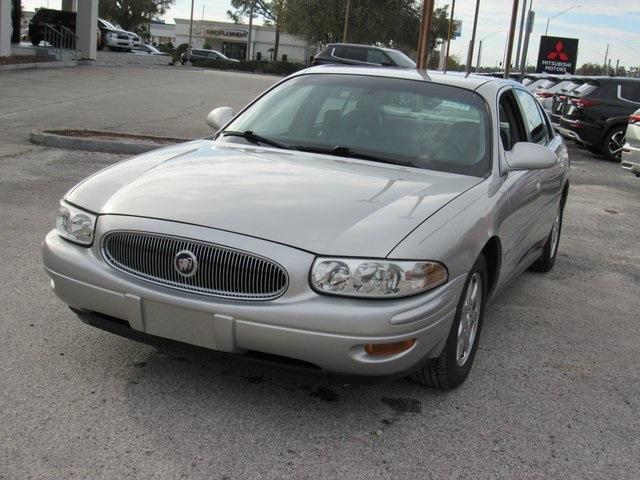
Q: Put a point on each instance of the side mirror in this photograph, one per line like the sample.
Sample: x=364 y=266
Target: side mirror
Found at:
x=219 y=117
x=530 y=156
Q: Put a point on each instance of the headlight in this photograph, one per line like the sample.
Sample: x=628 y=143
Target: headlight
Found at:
x=75 y=225
x=375 y=278
x=110 y=35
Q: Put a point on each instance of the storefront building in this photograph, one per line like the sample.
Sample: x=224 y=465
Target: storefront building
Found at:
x=233 y=40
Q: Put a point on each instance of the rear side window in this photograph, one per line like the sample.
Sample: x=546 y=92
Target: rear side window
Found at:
x=351 y=53
x=535 y=122
x=548 y=84
x=376 y=56
x=630 y=92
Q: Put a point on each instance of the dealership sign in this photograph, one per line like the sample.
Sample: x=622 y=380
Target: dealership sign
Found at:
x=557 y=55
x=228 y=33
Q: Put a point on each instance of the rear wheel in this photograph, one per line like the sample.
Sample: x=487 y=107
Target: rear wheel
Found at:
x=613 y=142
x=452 y=367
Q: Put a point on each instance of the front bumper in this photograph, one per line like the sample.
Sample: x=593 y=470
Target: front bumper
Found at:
x=631 y=159
x=328 y=332
x=118 y=42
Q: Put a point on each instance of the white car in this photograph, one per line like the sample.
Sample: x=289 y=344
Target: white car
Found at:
x=631 y=149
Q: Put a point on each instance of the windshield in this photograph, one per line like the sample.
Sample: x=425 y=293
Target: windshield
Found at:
x=412 y=123
x=400 y=59
x=109 y=25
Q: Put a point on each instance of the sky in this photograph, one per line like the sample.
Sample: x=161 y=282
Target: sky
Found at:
x=595 y=23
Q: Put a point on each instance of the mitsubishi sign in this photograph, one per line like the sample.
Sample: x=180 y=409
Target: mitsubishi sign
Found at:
x=557 y=55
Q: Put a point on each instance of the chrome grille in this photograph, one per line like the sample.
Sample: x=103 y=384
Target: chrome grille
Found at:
x=221 y=271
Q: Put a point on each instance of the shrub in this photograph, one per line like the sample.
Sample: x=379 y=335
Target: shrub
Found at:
x=183 y=47
x=206 y=46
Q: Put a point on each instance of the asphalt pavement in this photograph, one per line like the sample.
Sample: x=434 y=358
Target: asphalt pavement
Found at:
x=554 y=391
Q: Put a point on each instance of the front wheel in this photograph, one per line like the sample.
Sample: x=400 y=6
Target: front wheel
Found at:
x=613 y=142
x=452 y=367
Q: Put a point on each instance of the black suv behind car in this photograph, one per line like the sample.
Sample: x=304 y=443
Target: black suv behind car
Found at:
x=55 y=18
x=352 y=54
x=596 y=114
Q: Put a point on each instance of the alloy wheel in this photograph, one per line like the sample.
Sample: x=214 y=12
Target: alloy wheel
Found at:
x=616 y=143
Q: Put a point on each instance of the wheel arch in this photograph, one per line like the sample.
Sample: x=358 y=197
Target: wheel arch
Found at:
x=492 y=252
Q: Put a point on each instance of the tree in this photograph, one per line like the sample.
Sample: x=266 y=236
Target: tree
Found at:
x=591 y=69
x=16 y=20
x=392 y=23
x=270 y=10
x=132 y=15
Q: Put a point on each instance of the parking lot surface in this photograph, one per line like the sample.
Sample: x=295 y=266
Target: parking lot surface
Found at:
x=554 y=391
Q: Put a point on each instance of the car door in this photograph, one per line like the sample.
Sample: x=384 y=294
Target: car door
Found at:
x=522 y=188
x=549 y=180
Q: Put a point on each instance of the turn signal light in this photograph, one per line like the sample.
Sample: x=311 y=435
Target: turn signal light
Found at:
x=583 y=102
x=389 y=348
x=634 y=119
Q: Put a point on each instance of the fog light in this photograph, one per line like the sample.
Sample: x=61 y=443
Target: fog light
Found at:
x=389 y=348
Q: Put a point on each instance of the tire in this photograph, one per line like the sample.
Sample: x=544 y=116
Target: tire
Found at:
x=613 y=142
x=550 y=252
x=595 y=149
x=452 y=367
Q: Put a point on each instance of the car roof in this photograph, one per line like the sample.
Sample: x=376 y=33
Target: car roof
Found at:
x=360 y=45
x=456 y=79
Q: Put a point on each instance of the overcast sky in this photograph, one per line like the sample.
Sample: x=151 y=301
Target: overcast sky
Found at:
x=595 y=23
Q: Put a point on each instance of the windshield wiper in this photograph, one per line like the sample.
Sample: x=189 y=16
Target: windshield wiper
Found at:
x=343 y=151
x=253 y=137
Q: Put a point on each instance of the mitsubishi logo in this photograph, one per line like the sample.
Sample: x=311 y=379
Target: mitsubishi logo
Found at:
x=558 y=53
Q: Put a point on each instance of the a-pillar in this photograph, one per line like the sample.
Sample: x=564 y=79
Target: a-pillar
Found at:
x=86 y=28
x=5 y=28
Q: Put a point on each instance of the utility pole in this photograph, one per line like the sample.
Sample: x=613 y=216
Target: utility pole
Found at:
x=479 y=55
x=425 y=30
x=606 y=55
x=525 y=48
x=450 y=32
x=191 y=28
x=346 y=22
x=249 y=55
x=521 y=33
x=512 y=31
x=472 y=43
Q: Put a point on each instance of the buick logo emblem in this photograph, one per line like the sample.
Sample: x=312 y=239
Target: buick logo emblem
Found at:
x=185 y=263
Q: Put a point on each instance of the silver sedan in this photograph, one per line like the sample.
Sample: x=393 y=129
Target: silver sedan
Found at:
x=354 y=220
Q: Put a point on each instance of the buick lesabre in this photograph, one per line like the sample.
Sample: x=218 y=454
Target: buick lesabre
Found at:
x=354 y=219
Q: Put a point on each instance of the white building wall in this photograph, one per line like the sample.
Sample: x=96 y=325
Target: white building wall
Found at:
x=262 y=38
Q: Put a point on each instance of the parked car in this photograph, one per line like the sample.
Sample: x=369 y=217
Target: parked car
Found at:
x=354 y=54
x=545 y=92
x=631 y=150
x=144 y=49
x=113 y=37
x=539 y=82
x=559 y=98
x=596 y=114
x=47 y=16
x=59 y=20
x=354 y=219
x=198 y=56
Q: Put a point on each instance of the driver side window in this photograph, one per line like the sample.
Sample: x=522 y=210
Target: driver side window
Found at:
x=535 y=122
x=511 y=123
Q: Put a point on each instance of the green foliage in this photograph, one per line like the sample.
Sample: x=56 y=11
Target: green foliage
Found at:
x=133 y=15
x=393 y=23
x=206 y=46
x=177 y=54
x=16 y=17
x=270 y=10
x=591 y=69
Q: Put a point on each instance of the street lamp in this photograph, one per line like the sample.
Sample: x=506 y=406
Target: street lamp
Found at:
x=480 y=47
x=558 y=14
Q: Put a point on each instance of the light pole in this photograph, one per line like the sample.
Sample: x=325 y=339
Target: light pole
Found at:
x=557 y=15
x=346 y=22
x=480 y=47
x=449 y=33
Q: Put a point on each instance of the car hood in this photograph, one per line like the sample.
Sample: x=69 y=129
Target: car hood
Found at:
x=319 y=203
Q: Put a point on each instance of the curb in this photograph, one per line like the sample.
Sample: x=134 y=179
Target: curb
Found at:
x=35 y=65
x=95 y=145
